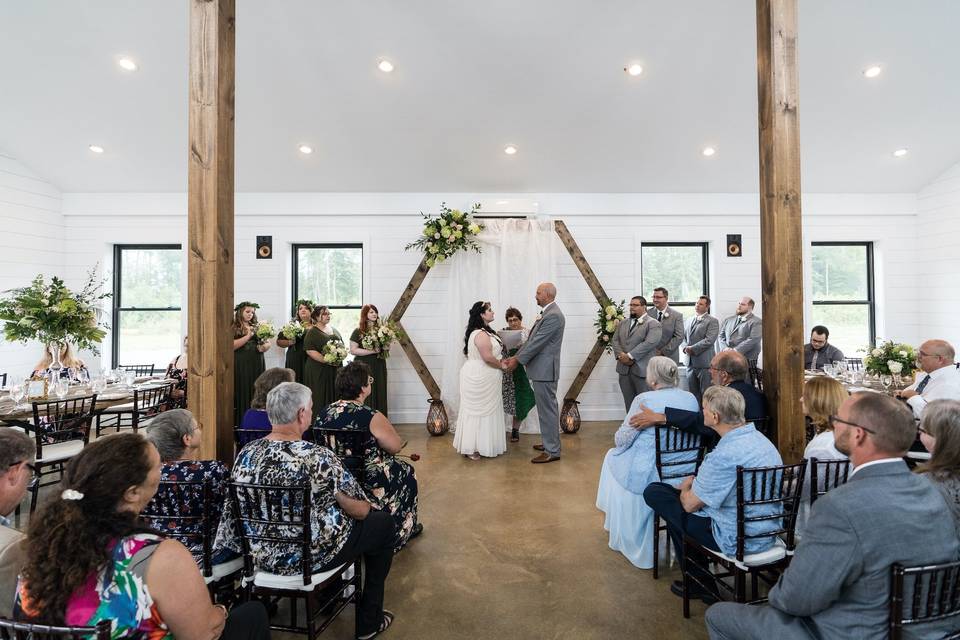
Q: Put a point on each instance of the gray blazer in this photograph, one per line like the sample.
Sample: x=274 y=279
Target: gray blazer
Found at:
x=13 y=555
x=702 y=339
x=641 y=344
x=745 y=338
x=839 y=579
x=540 y=354
x=671 y=332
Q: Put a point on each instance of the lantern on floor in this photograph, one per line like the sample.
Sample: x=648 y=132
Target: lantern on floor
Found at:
x=570 y=417
x=437 y=423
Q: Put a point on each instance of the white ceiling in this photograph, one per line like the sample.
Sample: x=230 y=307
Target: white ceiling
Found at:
x=471 y=77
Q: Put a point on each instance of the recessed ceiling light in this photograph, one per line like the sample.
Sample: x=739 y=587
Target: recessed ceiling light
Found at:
x=305 y=148
x=385 y=65
x=510 y=150
x=634 y=69
x=127 y=64
x=899 y=153
x=96 y=148
x=872 y=72
x=708 y=151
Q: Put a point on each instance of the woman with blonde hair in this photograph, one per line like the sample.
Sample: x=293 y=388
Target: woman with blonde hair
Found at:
x=68 y=362
x=940 y=434
x=248 y=352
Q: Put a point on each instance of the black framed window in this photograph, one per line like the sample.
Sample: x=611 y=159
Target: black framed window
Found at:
x=678 y=267
x=330 y=275
x=146 y=303
x=843 y=296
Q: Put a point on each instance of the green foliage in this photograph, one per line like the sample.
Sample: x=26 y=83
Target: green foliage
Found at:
x=880 y=359
x=446 y=234
x=608 y=317
x=333 y=276
x=839 y=272
x=678 y=269
x=52 y=313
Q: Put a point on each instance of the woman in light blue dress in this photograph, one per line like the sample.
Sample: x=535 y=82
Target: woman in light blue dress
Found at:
x=631 y=465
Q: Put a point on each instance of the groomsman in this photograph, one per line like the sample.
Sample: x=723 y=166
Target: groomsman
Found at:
x=742 y=332
x=701 y=347
x=671 y=325
x=634 y=343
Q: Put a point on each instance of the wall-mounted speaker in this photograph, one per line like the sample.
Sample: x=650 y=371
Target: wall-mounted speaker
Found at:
x=734 y=246
x=264 y=247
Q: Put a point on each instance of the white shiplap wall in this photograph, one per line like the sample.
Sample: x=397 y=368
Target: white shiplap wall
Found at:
x=608 y=227
x=31 y=242
x=938 y=264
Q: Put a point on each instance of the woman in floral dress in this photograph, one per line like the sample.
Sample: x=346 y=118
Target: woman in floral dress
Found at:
x=390 y=483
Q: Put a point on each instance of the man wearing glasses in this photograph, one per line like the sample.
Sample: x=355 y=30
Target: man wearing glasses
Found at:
x=940 y=379
x=838 y=583
x=17 y=474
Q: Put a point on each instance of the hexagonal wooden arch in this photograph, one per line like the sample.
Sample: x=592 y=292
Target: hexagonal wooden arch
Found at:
x=570 y=397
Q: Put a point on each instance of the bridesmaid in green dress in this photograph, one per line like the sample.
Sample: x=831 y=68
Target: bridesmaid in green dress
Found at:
x=248 y=352
x=373 y=358
x=317 y=374
x=296 y=355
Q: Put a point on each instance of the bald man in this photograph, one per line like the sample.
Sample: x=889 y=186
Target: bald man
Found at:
x=940 y=378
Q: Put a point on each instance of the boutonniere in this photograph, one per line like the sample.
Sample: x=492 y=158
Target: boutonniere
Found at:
x=666 y=315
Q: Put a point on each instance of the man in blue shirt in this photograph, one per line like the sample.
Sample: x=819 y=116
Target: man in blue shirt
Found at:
x=705 y=507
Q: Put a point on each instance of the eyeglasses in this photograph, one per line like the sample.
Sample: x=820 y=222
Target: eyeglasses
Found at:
x=712 y=368
x=34 y=476
x=852 y=424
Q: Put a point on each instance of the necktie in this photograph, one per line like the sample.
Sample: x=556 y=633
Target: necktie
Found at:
x=738 y=322
x=813 y=360
x=693 y=325
x=923 y=384
x=633 y=324
x=659 y=316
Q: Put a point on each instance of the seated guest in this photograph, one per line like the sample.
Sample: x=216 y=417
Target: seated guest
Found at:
x=89 y=558
x=344 y=524
x=71 y=365
x=705 y=507
x=177 y=371
x=818 y=351
x=390 y=483
x=940 y=378
x=940 y=434
x=177 y=437
x=631 y=465
x=727 y=369
x=256 y=416
x=17 y=453
x=838 y=583
x=822 y=397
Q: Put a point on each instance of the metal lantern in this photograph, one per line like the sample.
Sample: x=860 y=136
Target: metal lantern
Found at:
x=437 y=422
x=570 y=417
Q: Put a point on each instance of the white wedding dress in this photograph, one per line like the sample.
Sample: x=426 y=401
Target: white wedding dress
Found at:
x=480 y=423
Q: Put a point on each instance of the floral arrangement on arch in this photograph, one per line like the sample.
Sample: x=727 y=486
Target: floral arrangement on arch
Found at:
x=446 y=234
x=52 y=313
x=609 y=317
x=334 y=353
x=891 y=358
x=381 y=337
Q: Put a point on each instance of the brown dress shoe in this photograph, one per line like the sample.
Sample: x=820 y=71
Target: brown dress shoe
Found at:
x=543 y=458
x=538 y=447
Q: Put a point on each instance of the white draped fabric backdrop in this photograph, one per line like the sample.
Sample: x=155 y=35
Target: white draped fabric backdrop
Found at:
x=516 y=256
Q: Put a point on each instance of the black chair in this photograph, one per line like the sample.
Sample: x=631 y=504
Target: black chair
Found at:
x=138 y=369
x=346 y=444
x=826 y=475
x=756 y=376
x=684 y=449
x=776 y=487
x=281 y=515
x=761 y=424
x=3 y=379
x=925 y=595
x=10 y=630
x=854 y=364
x=242 y=437
x=61 y=431
x=146 y=403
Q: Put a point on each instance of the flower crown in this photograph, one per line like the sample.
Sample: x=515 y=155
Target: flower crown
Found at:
x=305 y=302
x=246 y=303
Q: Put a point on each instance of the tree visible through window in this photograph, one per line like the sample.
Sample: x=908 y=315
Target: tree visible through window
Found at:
x=331 y=275
x=680 y=268
x=843 y=293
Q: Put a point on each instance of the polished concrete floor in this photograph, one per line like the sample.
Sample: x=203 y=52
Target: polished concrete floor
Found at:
x=516 y=550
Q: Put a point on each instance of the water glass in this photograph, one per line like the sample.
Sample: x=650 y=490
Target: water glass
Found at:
x=129 y=378
x=62 y=388
x=886 y=380
x=99 y=384
x=18 y=392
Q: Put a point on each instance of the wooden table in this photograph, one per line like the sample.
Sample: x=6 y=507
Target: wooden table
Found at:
x=21 y=415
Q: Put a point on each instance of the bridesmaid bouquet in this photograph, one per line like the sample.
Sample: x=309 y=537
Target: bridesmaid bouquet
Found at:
x=264 y=332
x=380 y=338
x=292 y=330
x=334 y=353
x=608 y=317
x=446 y=234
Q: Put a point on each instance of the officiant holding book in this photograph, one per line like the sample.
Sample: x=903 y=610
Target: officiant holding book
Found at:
x=518 y=398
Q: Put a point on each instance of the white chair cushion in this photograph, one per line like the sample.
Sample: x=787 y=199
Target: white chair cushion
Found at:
x=60 y=451
x=118 y=408
x=224 y=569
x=291 y=583
x=774 y=554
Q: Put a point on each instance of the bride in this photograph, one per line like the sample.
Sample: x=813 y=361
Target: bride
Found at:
x=480 y=424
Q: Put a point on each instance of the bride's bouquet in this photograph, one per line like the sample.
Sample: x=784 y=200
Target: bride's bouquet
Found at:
x=380 y=338
x=264 y=332
x=292 y=330
x=334 y=353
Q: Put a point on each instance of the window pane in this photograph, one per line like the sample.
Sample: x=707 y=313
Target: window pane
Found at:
x=150 y=278
x=345 y=321
x=839 y=272
x=677 y=269
x=148 y=337
x=331 y=276
x=849 y=326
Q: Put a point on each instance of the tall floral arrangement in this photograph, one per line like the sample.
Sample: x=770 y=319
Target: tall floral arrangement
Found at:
x=890 y=358
x=380 y=337
x=51 y=313
x=609 y=317
x=446 y=234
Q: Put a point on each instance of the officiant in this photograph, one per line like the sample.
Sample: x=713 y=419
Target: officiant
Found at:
x=518 y=397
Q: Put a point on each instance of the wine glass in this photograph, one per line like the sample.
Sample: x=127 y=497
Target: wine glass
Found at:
x=129 y=378
x=99 y=384
x=18 y=392
x=62 y=388
x=886 y=380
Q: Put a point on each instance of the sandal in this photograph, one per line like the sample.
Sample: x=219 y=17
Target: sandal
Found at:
x=474 y=456
x=515 y=435
x=417 y=530
x=384 y=625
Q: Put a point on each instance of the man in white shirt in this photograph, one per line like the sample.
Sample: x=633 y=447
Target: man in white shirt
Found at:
x=940 y=380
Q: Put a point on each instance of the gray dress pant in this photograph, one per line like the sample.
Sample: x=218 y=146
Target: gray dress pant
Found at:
x=631 y=386
x=545 y=394
x=697 y=382
x=734 y=621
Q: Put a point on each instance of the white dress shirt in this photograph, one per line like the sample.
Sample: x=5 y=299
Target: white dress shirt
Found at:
x=944 y=384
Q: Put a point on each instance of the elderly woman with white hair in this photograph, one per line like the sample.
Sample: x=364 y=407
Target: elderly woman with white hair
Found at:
x=631 y=465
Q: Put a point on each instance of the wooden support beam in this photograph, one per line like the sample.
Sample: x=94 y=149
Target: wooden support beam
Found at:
x=581 y=262
x=412 y=287
x=588 y=366
x=210 y=223
x=419 y=365
x=780 y=221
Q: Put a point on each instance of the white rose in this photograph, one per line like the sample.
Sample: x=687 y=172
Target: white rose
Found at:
x=876 y=353
x=903 y=354
x=894 y=366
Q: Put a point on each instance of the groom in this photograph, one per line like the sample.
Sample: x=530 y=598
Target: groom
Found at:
x=540 y=355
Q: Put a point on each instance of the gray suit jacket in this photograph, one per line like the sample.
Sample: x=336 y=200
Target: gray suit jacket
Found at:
x=702 y=339
x=671 y=332
x=745 y=338
x=641 y=344
x=839 y=579
x=12 y=558
x=540 y=354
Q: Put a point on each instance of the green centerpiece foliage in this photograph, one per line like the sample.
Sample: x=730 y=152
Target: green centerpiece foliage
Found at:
x=891 y=358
